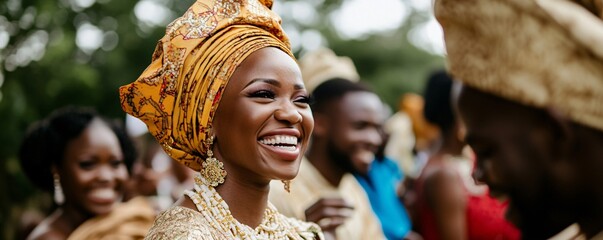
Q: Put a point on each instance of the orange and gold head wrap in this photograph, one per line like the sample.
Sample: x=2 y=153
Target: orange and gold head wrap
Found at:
x=177 y=95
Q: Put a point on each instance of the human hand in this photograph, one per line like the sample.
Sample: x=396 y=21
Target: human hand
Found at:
x=329 y=213
x=412 y=235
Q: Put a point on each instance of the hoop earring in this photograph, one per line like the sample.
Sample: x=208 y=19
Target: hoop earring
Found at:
x=213 y=170
x=287 y=185
x=59 y=197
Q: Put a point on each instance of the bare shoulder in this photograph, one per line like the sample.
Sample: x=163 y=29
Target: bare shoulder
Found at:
x=444 y=189
x=441 y=175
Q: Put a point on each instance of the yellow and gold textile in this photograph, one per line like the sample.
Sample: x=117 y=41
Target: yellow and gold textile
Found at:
x=213 y=220
x=178 y=93
x=541 y=53
x=129 y=220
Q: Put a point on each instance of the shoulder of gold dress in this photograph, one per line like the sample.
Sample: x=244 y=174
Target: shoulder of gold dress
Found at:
x=215 y=216
x=180 y=223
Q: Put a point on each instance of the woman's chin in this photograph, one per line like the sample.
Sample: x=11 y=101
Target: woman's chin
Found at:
x=287 y=172
x=287 y=177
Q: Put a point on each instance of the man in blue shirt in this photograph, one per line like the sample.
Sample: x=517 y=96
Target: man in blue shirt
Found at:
x=381 y=184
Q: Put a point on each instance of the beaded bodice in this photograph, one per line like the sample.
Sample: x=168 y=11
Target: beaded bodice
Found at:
x=213 y=220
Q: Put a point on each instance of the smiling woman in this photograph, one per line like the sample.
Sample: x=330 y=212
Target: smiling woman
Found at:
x=84 y=161
x=264 y=112
x=224 y=96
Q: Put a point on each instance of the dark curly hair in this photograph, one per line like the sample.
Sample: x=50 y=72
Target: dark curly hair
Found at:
x=45 y=141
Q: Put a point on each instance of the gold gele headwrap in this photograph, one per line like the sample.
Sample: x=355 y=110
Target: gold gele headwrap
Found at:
x=541 y=53
x=177 y=95
x=323 y=64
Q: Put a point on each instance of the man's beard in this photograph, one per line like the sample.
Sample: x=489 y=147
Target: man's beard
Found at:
x=340 y=157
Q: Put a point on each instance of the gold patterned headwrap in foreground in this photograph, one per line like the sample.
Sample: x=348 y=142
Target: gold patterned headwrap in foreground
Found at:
x=541 y=53
x=177 y=95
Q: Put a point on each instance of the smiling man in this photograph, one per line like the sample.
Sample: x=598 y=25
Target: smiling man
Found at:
x=532 y=102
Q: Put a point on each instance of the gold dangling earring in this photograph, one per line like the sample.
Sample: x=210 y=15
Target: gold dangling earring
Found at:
x=287 y=185
x=59 y=197
x=213 y=170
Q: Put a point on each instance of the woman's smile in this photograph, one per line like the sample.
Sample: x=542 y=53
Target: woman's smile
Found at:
x=285 y=147
x=103 y=196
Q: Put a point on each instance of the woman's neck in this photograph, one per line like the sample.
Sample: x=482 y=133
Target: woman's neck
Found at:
x=69 y=218
x=247 y=202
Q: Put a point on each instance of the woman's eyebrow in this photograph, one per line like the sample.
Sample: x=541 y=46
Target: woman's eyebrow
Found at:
x=266 y=80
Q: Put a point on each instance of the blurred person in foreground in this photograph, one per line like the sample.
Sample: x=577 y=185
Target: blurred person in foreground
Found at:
x=325 y=191
x=532 y=102
x=224 y=96
x=84 y=161
x=450 y=205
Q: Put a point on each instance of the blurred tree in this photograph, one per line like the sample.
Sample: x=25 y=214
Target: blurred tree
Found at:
x=55 y=53
x=385 y=59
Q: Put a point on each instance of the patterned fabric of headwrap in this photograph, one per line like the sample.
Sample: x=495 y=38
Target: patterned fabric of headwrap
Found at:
x=177 y=95
x=541 y=53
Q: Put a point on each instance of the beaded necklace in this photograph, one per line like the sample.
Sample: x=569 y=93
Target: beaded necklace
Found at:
x=216 y=212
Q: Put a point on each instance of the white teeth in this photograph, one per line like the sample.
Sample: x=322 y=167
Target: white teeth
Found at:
x=279 y=140
x=288 y=148
x=104 y=193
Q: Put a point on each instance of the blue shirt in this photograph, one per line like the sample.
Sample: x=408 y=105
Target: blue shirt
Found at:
x=380 y=186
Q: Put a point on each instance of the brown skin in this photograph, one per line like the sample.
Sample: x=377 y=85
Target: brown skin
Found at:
x=548 y=166
x=93 y=161
x=444 y=191
x=265 y=95
x=351 y=129
x=447 y=199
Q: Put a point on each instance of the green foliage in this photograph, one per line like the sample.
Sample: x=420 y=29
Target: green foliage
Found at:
x=379 y=62
x=389 y=62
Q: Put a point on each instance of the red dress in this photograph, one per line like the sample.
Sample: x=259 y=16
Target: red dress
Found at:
x=485 y=218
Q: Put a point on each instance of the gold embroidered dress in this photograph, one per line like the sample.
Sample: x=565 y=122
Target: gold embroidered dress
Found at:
x=214 y=221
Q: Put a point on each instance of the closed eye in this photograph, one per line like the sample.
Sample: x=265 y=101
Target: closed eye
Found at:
x=86 y=164
x=117 y=163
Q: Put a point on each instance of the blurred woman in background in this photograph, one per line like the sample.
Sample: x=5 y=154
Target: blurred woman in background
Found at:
x=450 y=205
x=84 y=161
